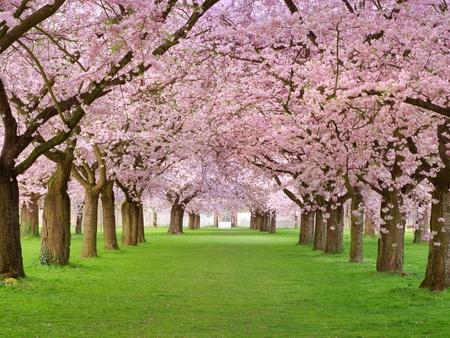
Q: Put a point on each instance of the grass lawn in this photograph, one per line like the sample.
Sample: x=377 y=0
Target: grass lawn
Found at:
x=221 y=283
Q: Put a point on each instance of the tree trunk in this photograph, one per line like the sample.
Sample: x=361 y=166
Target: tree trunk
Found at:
x=197 y=221
x=215 y=220
x=295 y=222
x=417 y=235
x=437 y=276
x=130 y=214
x=191 y=222
x=29 y=217
x=155 y=219
x=369 y=231
x=109 y=217
x=356 y=229
x=194 y=221
x=306 y=228
x=392 y=233
x=55 y=238
x=273 y=223
x=90 y=220
x=79 y=221
x=264 y=222
x=176 y=219
x=11 y=263
x=140 y=223
x=257 y=220
x=335 y=230
x=253 y=223
x=320 y=232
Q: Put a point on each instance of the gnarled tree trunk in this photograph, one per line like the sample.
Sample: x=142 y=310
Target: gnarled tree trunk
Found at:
x=392 y=234
x=109 y=217
x=306 y=227
x=320 y=232
x=11 y=263
x=55 y=237
x=335 y=230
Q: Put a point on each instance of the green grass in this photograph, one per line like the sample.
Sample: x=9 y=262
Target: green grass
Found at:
x=221 y=283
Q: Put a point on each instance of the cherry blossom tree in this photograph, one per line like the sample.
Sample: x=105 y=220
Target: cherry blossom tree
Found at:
x=41 y=51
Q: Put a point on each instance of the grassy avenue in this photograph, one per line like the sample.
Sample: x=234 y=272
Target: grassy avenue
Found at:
x=221 y=283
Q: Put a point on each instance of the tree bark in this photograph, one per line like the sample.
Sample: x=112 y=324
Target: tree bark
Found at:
x=437 y=275
x=130 y=214
x=11 y=263
x=194 y=221
x=273 y=223
x=140 y=223
x=306 y=228
x=176 y=219
x=55 y=238
x=29 y=216
x=369 y=231
x=335 y=230
x=320 y=232
x=90 y=220
x=392 y=233
x=253 y=222
x=356 y=229
x=191 y=222
x=109 y=217
x=264 y=225
x=79 y=220
x=197 y=221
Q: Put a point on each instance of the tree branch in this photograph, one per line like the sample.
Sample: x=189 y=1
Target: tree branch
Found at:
x=28 y=23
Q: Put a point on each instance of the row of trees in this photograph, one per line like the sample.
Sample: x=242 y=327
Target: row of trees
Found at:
x=222 y=104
